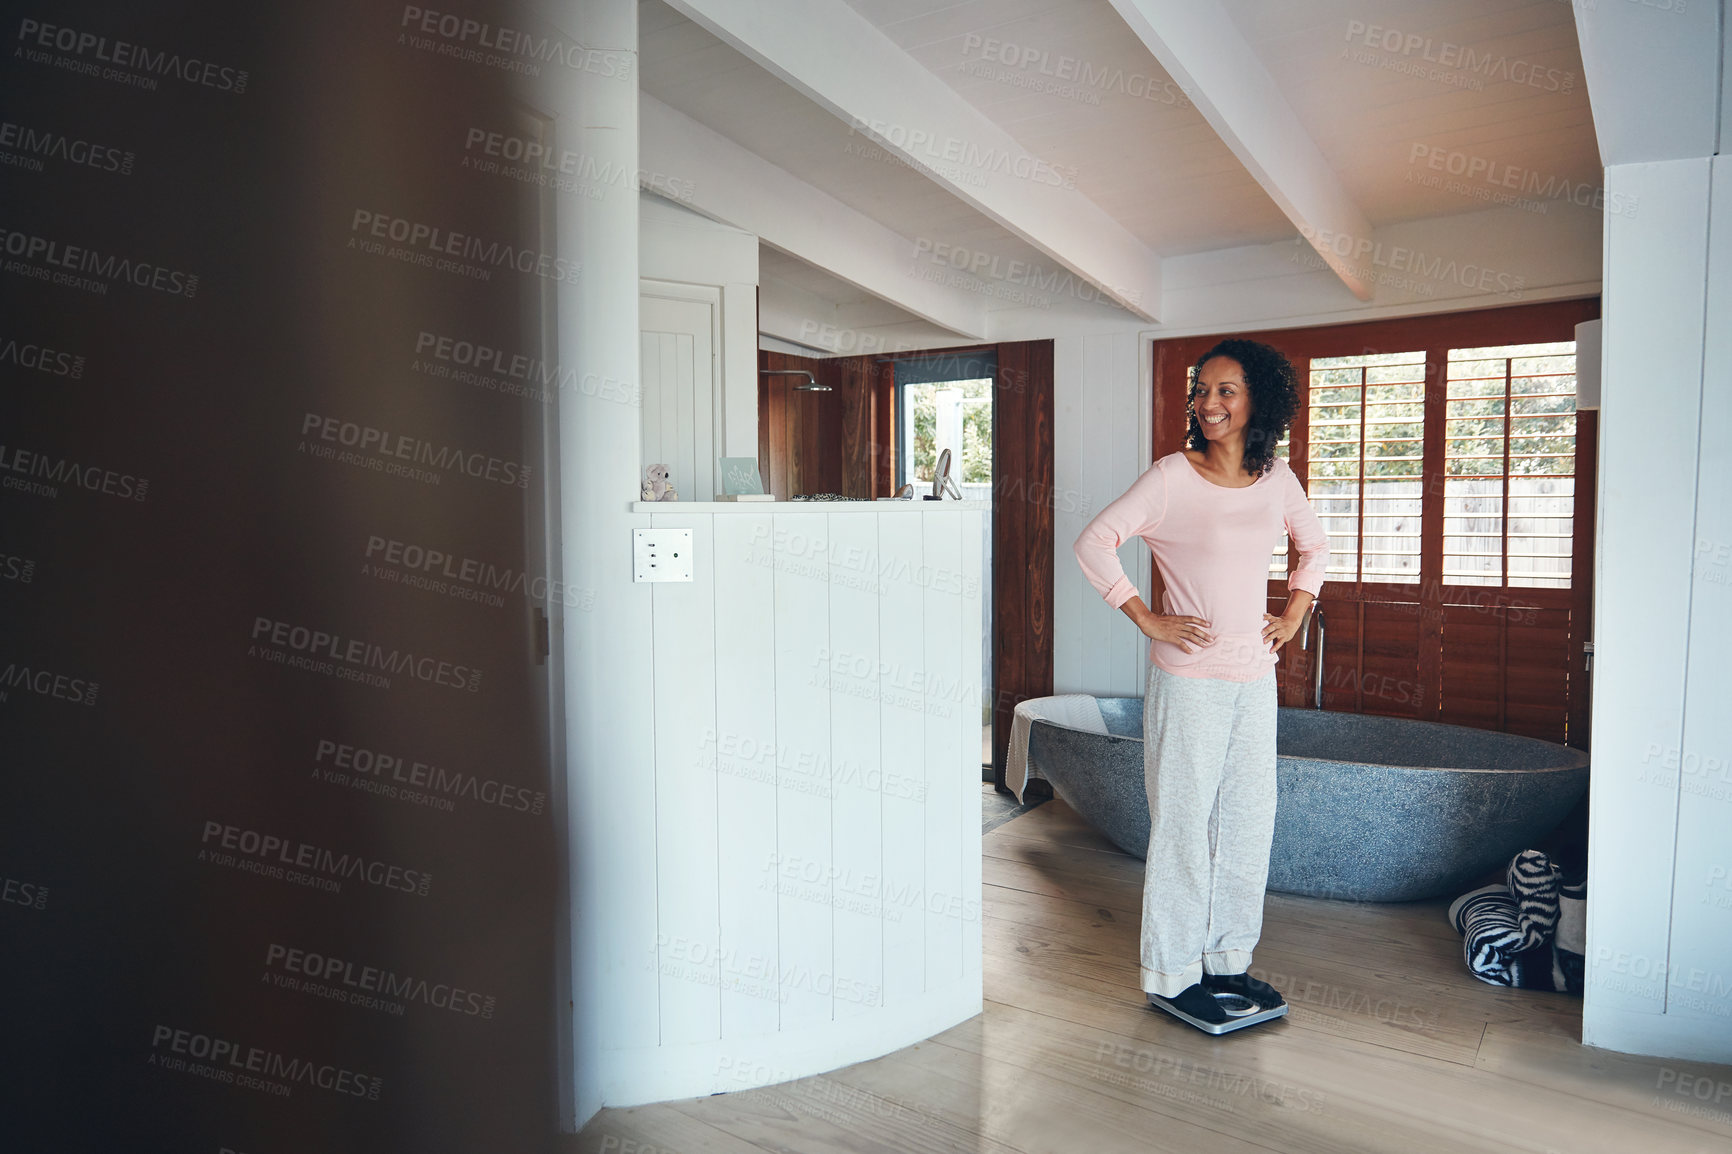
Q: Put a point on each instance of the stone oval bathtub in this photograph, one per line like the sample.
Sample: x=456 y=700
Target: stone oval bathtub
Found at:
x=1368 y=808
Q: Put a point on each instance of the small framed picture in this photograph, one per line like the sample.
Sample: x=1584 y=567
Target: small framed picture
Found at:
x=740 y=476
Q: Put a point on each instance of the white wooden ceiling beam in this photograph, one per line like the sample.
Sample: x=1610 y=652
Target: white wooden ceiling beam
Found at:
x=715 y=176
x=833 y=55
x=1198 y=45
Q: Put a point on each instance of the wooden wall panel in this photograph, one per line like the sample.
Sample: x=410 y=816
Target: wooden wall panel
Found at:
x=883 y=385
x=1389 y=664
x=853 y=402
x=1022 y=535
x=799 y=433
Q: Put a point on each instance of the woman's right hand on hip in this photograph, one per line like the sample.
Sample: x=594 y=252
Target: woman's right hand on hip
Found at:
x=1181 y=631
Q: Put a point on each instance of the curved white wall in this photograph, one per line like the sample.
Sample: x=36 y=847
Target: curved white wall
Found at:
x=773 y=799
x=815 y=711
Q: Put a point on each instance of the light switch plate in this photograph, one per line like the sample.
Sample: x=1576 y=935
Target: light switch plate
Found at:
x=661 y=554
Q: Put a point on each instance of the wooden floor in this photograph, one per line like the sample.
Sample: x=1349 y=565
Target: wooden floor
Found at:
x=1389 y=1046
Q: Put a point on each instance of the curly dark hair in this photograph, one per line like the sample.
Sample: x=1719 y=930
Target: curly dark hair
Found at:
x=1274 y=399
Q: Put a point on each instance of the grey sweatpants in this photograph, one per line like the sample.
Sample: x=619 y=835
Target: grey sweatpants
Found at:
x=1209 y=765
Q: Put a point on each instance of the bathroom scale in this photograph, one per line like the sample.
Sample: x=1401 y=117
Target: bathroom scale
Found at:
x=1240 y=1010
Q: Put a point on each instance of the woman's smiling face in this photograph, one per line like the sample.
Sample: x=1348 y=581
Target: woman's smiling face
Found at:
x=1221 y=399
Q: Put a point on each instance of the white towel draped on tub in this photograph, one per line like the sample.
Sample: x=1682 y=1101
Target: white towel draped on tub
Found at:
x=1071 y=710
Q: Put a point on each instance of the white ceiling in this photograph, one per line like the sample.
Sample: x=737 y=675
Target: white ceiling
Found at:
x=1367 y=119
x=1135 y=145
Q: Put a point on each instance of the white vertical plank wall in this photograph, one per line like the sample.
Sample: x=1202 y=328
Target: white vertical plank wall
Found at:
x=687 y=924
x=801 y=860
x=901 y=629
x=1651 y=363
x=856 y=769
x=939 y=684
x=743 y=753
x=1100 y=446
x=1701 y=956
x=974 y=589
x=817 y=798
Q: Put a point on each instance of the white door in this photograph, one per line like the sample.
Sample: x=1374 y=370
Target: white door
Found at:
x=679 y=390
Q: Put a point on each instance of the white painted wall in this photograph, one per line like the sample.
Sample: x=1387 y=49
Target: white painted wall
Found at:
x=1659 y=907
x=678 y=252
x=1101 y=443
x=1659 y=902
x=681 y=383
x=606 y=647
x=813 y=871
x=1672 y=50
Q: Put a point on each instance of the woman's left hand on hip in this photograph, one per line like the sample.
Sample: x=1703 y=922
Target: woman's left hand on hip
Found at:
x=1278 y=631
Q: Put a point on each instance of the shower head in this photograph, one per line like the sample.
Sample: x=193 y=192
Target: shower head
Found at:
x=811 y=385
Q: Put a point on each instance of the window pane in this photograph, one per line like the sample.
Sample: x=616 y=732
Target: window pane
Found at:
x=1509 y=450
x=1365 y=449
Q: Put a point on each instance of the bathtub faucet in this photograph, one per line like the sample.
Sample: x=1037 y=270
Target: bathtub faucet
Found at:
x=1317 y=663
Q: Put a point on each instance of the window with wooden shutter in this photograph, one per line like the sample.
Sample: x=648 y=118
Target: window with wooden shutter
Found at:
x=1441 y=454
x=1509 y=459
x=1366 y=417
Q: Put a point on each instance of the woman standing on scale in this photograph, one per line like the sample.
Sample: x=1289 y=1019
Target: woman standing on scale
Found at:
x=1211 y=515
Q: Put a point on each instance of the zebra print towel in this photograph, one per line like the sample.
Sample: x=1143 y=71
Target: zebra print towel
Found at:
x=1533 y=882
x=1526 y=933
x=1490 y=925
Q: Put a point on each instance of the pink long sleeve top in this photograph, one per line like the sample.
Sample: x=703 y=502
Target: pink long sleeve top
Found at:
x=1212 y=546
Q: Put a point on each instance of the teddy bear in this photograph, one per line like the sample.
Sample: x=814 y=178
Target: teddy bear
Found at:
x=656 y=486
